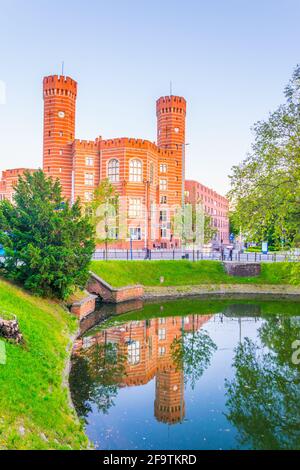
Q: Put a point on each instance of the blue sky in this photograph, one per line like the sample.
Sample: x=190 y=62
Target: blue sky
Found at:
x=230 y=59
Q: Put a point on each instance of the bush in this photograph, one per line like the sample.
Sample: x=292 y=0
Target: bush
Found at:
x=48 y=243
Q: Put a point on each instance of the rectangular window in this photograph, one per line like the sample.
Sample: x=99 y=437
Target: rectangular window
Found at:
x=89 y=161
x=161 y=350
x=161 y=334
x=89 y=179
x=134 y=352
x=163 y=185
x=163 y=199
x=135 y=233
x=135 y=171
x=163 y=216
x=135 y=208
x=163 y=232
x=163 y=167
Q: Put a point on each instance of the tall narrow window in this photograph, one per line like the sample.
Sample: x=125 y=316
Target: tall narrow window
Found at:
x=89 y=179
x=163 y=185
x=113 y=170
x=135 y=171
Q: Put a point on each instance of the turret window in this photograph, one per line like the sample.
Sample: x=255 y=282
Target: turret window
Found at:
x=113 y=170
x=135 y=171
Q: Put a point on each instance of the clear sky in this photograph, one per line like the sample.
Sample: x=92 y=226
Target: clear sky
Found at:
x=230 y=59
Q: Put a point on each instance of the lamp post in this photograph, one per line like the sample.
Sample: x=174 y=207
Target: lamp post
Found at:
x=131 y=246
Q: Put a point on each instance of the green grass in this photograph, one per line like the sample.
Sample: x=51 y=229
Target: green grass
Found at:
x=35 y=413
x=183 y=273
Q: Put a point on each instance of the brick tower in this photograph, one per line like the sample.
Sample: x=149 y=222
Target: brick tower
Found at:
x=169 y=405
x=59 y=94
x=171 y=113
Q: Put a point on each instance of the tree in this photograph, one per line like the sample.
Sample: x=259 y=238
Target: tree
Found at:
x=95 y=377
x=265 y=187
x=48 y=243
x=192 y=354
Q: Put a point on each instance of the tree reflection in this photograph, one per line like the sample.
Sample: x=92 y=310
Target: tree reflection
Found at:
x=95 y=376
x=263 y=399
x=192 y=353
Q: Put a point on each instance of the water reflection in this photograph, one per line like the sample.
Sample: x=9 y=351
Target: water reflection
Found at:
x=224 y=379
x=172 y=349
x=263 y=398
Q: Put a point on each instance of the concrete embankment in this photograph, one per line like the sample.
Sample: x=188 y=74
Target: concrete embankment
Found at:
x=228 y=290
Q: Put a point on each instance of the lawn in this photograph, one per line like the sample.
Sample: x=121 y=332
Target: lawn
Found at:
x=182 y=273
x=35 y=412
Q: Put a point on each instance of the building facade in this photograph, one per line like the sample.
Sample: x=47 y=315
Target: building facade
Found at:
x=214 y=205
x=149 y=178
x=9 y=180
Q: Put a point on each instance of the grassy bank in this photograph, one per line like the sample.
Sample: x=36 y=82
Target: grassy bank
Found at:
x=34 y=407
x=181 y=273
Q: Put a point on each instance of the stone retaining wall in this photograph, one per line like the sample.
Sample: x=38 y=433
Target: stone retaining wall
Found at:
x=109 y=294
x=226 y=290
x=84 y=307
x=242 y=269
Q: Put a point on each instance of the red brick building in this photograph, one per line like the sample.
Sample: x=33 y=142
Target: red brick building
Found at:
x=214 y=205
x=9 y=180
x=149 y=177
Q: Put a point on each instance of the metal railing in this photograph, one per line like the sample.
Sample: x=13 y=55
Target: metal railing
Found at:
x=192 y=255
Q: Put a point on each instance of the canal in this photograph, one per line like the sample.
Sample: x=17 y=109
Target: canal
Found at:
x=190 y=374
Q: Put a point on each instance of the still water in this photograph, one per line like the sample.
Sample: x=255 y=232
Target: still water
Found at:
x=191 y=374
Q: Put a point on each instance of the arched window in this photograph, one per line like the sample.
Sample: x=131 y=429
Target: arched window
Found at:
x=135 y=170
x=113 y=170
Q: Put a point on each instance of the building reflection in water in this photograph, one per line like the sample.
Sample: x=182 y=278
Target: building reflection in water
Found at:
x=147 y=346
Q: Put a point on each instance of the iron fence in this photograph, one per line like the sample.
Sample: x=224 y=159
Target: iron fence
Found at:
x=192 y=255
